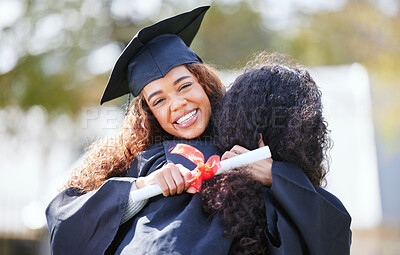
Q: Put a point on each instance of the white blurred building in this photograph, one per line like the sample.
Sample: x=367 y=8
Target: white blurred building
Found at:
x=353 y=173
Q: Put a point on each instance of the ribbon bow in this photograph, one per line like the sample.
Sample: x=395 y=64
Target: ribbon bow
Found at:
x=202 y=171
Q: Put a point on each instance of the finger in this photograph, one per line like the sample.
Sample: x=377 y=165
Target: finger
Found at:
x=191 y=190
x=239 y=149
x=261 y=171
x=169 y=179
x=187 y=185
x=159 y=180
x=178 y=179
x=187 y=175
x=228 y=154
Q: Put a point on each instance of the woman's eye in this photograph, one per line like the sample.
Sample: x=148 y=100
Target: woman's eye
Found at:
x=157 y=101
x=185 y=86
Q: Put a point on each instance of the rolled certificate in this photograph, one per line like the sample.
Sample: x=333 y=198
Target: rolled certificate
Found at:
x=244 y=159
x=226 y=165
x=145 y=193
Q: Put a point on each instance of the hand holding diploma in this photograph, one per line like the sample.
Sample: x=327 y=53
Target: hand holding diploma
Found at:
x=259 y=170
x=204 y=170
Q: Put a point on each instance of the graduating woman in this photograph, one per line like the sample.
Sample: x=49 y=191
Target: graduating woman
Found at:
x=176 y=95
x=279 y=106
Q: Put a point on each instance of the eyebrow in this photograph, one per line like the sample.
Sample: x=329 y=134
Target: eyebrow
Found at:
x=180 y=79
x=153 y=94
x=175 y=82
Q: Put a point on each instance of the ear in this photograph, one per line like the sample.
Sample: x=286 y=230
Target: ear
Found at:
x=260 y=141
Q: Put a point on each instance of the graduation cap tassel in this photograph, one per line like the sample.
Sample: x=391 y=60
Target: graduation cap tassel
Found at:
x=128 y=104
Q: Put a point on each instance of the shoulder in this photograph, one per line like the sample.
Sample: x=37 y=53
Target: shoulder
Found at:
x=153 y=157
x=332 y=199
x=283 y=172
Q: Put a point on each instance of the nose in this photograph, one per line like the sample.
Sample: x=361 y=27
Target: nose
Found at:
x=177 y=103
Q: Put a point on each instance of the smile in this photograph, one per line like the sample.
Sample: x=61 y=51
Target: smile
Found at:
x=186 y=117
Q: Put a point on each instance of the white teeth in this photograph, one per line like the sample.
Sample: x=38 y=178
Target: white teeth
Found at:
x=186 y=117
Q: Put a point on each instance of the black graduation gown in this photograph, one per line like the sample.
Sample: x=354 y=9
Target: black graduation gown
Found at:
x=302 y=219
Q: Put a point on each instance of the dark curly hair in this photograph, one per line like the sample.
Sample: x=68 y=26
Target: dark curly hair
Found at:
x=238 y=201
x=282 y=105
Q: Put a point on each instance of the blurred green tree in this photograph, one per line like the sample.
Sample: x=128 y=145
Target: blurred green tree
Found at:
x=358 y=33
x=56 y=39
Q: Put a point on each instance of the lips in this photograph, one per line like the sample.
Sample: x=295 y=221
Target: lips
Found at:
x=187 y=120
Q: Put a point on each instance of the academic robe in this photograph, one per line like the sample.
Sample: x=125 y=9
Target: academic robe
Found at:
x=301 y=218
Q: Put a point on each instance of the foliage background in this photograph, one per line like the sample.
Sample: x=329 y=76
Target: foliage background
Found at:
x=48 y=48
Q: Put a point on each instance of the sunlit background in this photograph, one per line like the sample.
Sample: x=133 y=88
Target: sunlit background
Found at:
x=55 y=58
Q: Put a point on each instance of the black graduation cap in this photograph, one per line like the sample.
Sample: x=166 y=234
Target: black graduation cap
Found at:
x=153 y=52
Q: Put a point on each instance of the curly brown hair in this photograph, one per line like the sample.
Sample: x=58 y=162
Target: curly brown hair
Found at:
x=281 y=105
x=112 y=157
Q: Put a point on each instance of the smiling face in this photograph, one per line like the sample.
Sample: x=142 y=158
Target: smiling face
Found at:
x=179 y=103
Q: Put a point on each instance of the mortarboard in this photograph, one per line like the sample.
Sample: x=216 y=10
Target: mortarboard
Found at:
x=153 y=52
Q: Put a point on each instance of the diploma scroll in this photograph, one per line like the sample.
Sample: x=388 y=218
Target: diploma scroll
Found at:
x=226 y=165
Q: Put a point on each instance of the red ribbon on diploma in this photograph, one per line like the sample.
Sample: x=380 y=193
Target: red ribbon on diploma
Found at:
x=202 y=171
